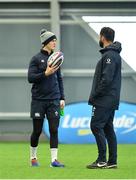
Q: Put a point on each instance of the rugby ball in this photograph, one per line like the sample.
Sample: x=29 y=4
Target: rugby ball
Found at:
x=56 y=59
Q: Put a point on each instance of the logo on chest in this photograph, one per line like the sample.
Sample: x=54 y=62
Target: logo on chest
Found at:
x=42 y=61
x=108 y=61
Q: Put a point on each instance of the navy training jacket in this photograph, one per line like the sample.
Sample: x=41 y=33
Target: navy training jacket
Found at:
x=44 y=87
x=107 y=78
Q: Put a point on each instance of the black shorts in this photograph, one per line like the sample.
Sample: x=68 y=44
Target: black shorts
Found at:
x=50 y=108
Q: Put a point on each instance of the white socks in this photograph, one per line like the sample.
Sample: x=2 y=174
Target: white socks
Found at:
x=54 y=154
x=33 y=152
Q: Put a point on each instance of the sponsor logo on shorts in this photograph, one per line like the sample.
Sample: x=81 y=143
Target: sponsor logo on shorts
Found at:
x=56 y=113
x=37 y=114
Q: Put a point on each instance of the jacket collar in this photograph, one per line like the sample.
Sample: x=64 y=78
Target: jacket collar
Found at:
x=46 y=52
x=116 y=46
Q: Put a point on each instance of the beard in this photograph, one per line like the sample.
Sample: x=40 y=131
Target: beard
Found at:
x=101 y=44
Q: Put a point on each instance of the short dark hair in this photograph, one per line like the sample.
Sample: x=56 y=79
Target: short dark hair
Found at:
x=108 y=33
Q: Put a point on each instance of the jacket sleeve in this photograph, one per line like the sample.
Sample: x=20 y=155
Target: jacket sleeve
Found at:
x=60 y=81
x=108 y=71
x=34 y=76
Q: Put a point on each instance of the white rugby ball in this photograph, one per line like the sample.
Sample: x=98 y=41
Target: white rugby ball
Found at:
x=56 y=59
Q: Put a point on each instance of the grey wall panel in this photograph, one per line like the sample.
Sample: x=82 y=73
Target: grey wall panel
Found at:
x=19 y=42
x=128 y=90
x=17 y=131
x=79 y=49
x=77 y=89
x=15 y=95
x=15 y=126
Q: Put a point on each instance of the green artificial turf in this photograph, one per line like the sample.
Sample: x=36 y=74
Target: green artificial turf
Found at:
x=15 y=164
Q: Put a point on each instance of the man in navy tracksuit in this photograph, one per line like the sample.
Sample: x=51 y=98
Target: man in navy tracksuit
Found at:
x=104 y=97
x=47 y=97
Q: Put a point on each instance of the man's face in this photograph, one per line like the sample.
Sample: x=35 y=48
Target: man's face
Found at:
x=101 y=44
x=52 y=44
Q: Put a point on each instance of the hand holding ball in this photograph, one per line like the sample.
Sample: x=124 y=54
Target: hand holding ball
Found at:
x=56 y=59
x=54 y=62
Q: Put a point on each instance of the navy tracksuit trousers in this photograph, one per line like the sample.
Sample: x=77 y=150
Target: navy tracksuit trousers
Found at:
x=102 y=128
